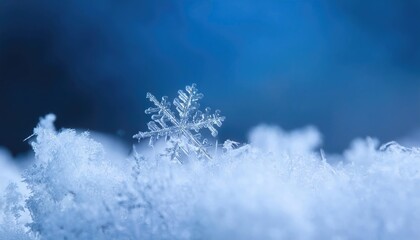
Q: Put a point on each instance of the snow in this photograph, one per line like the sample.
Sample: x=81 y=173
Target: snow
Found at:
x=10 y=172
x=276 y=187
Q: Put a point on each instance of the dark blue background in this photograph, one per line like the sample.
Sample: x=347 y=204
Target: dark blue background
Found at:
x=349 y=67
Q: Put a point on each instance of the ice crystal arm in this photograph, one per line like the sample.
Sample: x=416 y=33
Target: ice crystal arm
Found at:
x=187 y=103
x=206 y=120
x=161 y=113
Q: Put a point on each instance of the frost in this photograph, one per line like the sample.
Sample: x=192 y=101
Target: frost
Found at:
x=12 y=226
x=70 y=179
x=13 y=198
x=182 y=132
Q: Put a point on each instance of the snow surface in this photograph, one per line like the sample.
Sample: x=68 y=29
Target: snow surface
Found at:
x=279 y=186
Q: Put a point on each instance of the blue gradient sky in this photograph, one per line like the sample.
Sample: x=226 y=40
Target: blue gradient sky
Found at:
x=351 y=68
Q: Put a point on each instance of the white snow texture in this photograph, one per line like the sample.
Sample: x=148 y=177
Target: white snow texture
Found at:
x=279 y=186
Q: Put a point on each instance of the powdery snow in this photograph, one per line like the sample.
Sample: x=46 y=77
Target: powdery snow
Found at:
x=278 y=186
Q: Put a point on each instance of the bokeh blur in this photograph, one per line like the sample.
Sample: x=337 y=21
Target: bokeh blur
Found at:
x=350 y=68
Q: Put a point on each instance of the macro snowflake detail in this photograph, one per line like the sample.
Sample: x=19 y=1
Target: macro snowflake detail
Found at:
x=182 y=133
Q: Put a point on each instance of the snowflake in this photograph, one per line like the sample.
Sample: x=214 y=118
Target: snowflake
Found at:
x=181 y=134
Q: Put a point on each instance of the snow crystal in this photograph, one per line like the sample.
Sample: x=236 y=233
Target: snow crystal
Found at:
x=179 y=131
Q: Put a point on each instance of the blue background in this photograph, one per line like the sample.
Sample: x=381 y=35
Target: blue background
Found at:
x=350 y=67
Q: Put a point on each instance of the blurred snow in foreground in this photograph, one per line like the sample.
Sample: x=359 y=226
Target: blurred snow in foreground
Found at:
x=279 y=186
